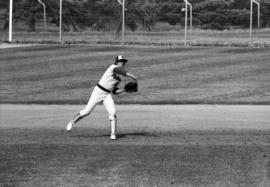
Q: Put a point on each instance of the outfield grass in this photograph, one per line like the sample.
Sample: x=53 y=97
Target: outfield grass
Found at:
x=167 y=75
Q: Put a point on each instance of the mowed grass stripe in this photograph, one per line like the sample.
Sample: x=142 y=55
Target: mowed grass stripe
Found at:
x=149 y=165
x=64 y=74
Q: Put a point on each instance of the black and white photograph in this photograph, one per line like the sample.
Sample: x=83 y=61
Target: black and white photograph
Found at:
x=135 y=93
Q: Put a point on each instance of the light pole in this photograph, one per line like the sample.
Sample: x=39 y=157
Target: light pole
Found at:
x=123 y=21
x=251 y=18
x=60 y=22
x=187 y=4
x=44 y=15
x=10 y=20
x=186 y=22
x=123 y=18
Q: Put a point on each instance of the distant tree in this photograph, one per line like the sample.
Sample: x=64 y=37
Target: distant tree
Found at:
x=4 y=15
x=239 y=17
x=239 y=4
x=213 y=14
x=28 y=11
x=4 y=11
x=105 y=15
x=265 y=14
x=33 y=13
x=170 y=12
x=147 y=11
x=73 y=16
x=131 y=16
x=242 y=8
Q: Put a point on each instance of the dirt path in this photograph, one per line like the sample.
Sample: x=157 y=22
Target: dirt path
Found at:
x=159 y=117
x=7 y=45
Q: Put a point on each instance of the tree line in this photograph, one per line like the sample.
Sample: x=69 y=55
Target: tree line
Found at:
x=105 y=15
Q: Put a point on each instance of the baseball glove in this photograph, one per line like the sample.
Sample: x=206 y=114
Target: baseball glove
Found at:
x=131 y=87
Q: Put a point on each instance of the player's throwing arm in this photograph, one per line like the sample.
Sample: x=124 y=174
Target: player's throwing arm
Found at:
x=103 y=91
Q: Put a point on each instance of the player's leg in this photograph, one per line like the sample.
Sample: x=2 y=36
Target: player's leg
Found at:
x=110 y=106
x=82 y=113
x=94 y=99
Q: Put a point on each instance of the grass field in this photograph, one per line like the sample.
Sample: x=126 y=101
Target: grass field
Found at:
x=157 y=145
x=168 y=145
x=167 y=75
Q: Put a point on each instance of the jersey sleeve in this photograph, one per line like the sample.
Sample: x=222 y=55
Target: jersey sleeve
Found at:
x=120 y=71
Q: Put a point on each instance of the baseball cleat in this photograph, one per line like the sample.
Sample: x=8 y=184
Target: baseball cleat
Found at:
x=69 y=125
x=113 y=137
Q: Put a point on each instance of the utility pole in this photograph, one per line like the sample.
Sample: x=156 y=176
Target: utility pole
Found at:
x=60 y=22
x=44 y=15
x=123 y=18
x=187 y=4
x=10 y=20
x=123 y=21
x=251 y=18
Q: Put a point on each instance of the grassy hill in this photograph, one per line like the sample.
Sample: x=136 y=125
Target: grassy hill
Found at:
x=168 y=75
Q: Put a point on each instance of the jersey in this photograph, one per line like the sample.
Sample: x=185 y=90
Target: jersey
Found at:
x=111 y=78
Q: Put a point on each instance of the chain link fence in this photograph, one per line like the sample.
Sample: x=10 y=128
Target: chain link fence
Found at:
x=149 y=22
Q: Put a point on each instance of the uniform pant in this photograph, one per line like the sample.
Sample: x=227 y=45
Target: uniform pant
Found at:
x=96 y=97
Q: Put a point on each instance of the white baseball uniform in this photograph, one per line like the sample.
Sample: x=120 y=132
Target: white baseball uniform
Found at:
x=103 y=91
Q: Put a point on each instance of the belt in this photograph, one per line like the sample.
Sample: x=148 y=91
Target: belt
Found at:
x=102 y=88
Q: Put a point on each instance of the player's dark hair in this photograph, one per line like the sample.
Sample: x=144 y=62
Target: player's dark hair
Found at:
x=116 y=60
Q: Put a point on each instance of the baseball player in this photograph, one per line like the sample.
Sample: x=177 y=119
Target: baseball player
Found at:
x=103 y=92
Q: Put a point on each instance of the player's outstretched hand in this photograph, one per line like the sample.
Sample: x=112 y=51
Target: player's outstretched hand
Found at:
x=118 y=91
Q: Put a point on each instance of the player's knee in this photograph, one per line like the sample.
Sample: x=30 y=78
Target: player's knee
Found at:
x=84 y=113
x=112 y=117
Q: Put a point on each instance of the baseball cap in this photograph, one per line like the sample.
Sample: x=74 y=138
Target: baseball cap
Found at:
x=120 y=58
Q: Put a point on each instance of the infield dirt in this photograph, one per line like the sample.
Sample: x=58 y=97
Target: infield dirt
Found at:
x=179 y=145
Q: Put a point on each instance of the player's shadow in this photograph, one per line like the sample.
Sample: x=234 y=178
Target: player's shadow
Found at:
x=146 y=134
x=120 y=135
